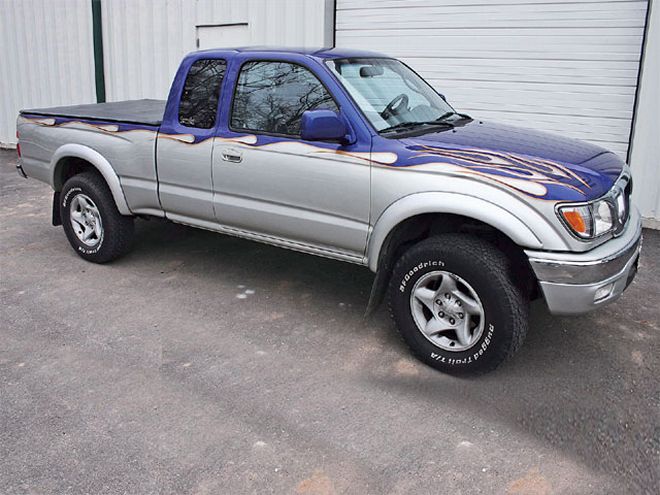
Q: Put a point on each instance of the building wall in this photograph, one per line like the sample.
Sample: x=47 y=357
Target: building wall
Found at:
x=41 y=66
x=562 y=66
x=143 y=43
x=645 y=152
x=144 y=40
x=48 y=57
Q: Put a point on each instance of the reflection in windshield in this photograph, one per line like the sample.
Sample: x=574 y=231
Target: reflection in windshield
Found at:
x=389 y=94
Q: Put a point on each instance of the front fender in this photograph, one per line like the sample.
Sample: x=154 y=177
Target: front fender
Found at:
x=516 y=221
x=95 y=159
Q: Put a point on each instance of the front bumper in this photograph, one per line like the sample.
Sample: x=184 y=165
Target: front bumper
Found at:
x=576 y=283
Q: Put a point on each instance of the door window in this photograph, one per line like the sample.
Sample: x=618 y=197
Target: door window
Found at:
x=271 y=97
x=199 y=100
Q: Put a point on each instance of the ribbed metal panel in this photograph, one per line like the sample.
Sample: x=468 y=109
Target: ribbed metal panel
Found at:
x=47 y=57
x=559 y=65
x=144 y=40
x=222 y=11
x=143 y=43
x=645 y=152
x=291 y=22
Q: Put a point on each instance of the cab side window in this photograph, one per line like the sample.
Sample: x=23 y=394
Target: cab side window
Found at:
x=199 y=100
x=271 y=97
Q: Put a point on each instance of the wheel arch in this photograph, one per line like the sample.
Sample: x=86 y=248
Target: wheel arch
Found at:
x=515 y=226
x=422 y=215
x=70 y=159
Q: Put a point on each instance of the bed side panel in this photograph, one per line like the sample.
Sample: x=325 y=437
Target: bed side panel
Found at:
x=129 y=148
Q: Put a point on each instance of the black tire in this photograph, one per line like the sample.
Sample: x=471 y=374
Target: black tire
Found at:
x=117 y=230
x=486 y=269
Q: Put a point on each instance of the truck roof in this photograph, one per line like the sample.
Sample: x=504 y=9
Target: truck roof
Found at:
x=318 y=52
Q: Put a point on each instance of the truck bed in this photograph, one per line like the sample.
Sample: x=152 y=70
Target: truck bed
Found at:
x=147 y=112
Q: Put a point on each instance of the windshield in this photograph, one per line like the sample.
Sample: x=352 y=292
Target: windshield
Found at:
x=389 y=93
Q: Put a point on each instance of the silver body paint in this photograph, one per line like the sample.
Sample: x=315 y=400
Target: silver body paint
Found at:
x=308 y=198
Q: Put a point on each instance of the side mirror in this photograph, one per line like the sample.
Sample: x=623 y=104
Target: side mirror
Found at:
x=322 y=125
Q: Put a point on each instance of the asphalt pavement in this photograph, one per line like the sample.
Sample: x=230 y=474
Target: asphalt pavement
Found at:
x=205 y=364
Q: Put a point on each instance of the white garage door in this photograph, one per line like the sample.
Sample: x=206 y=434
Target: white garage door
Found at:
x=566 y=66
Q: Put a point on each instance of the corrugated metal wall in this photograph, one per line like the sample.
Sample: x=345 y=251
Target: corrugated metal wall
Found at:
x=144 y=40
x=568 y=66
x=558 y=65
x=645 y=153
x=47 y=57
x=143 y=43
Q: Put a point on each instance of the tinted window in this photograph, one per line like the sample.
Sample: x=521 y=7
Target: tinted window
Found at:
x=272 y=96
x=199 y=100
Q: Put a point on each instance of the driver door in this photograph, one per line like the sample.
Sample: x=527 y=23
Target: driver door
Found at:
x=269 y=181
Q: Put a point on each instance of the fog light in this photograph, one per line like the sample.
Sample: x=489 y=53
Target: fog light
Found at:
x=603 y=292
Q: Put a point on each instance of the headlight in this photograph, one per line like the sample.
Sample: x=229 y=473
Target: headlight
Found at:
x=589 y=220
x=603 y=217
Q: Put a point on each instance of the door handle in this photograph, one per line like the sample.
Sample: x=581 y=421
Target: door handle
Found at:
x=232 y=155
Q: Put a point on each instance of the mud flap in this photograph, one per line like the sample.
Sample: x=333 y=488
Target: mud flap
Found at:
x=378 y=289
x=57 y=216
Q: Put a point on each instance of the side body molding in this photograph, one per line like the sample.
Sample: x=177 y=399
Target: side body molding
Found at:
x=99 y=162
x=460 y=204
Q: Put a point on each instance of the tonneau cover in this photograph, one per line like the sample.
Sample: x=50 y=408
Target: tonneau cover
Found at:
x=148 y=112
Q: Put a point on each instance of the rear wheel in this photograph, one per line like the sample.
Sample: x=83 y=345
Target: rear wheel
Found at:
x=456 y=304
x=93 y=225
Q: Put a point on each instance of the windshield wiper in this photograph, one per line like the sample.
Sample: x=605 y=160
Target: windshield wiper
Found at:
x=409 y=125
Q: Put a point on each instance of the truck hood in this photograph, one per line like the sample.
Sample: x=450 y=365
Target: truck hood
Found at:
x=535 y=163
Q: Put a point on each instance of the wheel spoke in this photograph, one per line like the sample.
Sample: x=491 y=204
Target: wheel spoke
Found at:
x=447 y=286
x=425 y=296
x=463 y=332
x=88 y=233
x=434 y=326
x=82 y=201
x=77 y=216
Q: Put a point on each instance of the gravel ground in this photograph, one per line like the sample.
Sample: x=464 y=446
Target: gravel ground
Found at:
x=202 y=364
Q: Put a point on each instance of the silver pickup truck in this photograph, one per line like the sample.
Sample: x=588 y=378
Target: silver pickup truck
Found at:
x=353 y=156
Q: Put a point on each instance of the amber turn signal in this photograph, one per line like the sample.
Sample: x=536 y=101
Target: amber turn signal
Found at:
x=579 y=219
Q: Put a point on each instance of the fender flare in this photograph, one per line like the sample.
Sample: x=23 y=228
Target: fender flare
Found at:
x=99 y=162
x=473 y=207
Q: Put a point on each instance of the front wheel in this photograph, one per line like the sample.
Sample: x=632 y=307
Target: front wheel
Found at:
x=95 y=228
x=456 y=305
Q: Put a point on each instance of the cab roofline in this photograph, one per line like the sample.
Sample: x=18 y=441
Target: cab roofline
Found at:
x=325 y=53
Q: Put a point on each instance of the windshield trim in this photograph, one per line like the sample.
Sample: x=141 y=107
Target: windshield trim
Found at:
x=372 y=127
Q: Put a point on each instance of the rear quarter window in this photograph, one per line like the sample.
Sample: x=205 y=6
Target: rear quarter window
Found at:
x=199 y=100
